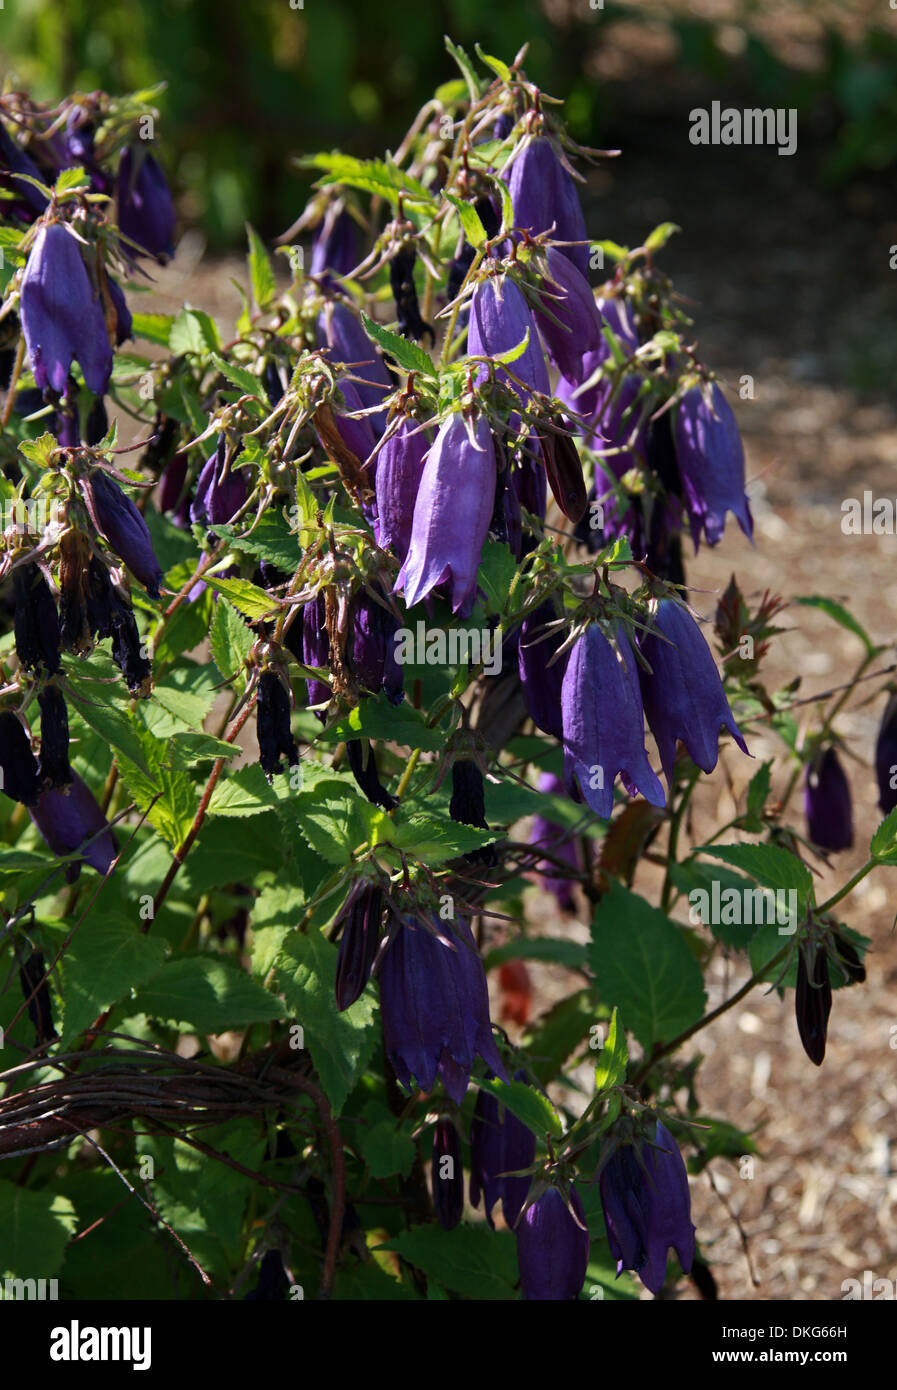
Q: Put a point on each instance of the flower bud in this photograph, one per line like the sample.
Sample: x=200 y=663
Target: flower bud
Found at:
x=35 y=620
x=827 y=803
x=275 y=738
x=18 y=765
x=54 y=738
x=126 y=531
x=447 y=1174
x=358 y=943
x=813 y=1000
x=145 y=205
x=552 y=1246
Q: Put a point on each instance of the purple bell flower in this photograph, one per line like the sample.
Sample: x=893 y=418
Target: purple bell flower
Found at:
x=345 y=340
x=544 y=195
x=540 y=682
x=54 y=738
x=356 y=434
x=500 y=1145
x=125 y=529
x=35 y=620
x=29 y=201
x=813 y=1001
x=435 y=1006
x=451 y=515
x=18 y=765
x=400 y=466
x=711 y=464
x=447 y=1174
x=335 y=243
x=827 y=804
x=886 y=757
x=499 y=320
x=275 y=737
x=62 y=317
x=552 y=1249
x=219 y=493
x=314 y=649
x=648 y=1209
x=67 y=818
x=567 y=296
x=547 y=835
x=684 y=696
x=358 y=943
x=372 y=650
x=603 y=724
x=145 y=205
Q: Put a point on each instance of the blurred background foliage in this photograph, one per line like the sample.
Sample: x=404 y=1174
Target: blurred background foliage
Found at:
x=251 y=83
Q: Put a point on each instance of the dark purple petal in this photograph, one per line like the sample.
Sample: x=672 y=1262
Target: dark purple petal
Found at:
x=447 y=1174
x=145 y=205
x=544 y=195
x=126 y=531
x=62 y=317
x=552 y=1249
x=711 y=463
x=400 y=466
x=67 y=818
x=827 y=802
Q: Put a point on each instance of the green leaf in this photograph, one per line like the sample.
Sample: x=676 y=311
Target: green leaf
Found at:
x=432 y=839
x=105 y=960
x=759 y=788
x=36 y=1229
x=496 y=574
x=155 y=328
x=230 y=639
x=103 y=713
x=252 y=601
x=261 y=273
x=166 y=795
x=470 y=1260
x=241 y=378
x=193 y=331
x=727 y=924
x=387 y=1149
x=770 y=865
x=376 y=718
x=498 y=67
x=39 y=450
x=642 y=963
x=661 y=235
x=245 y=792
x=408 y=355
x=341 y=1044
x=840 y=615
x=335 y=818
x=529 y=1105
x=70 y=178
x=610 y=1069
x=382 y=178
x=470 y=220
x=558 y=1034
x=557 y=949
x=884 y=841
x=270 y=538
x=208 y=994
x=467 y=68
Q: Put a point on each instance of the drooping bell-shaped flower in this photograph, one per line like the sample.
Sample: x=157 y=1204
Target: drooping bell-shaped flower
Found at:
x=541 y=680
x=67 y=819
x=500 y=1145
x=400 y=466
x=35 y=620
x=603 y=727
x=404 y=291
x=355 y=430
x=220 y=489
x=334 y=246
x=18 y=765
x=468 y=805
x=435 y=1006
x=358 y=943
x=647 y=1207
x=827 y=803
x=54 y=738
x=569 y=321
x=552 y=1247
x=548 y=835
x=447 y=1173
x=125 y=529
x=813 y=1000
x=28 y=200
x=145 y=205
x=275 y=738
x=684 y=696
x=62 y=316
x=173 y=496
x=371 y=649
x=308 y=640
x=710 y=456
x=451 y=515
x=544 y=195
x=129 y=651
x=886 y=757
x=344 y=338
x=500 y=319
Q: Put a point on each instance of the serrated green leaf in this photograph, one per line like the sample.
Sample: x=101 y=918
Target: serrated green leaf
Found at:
x=769 y=865
x=105 y=960
x=341 y=1044
x=252 y=601
x=642 y=964
x=230 y=639
x=529 y=1105
x=661 y=235
x=155 y=328
x=270 y=539
x=884 y=842
x=557 y=949
x=240 y=377
x=468 y=70
x=39 y=450
x=376 y=718
x=470 y=1260
x=335 y=818
x=408 y=355
x=610 y=1068
x=261 y=272
x=70 y=178
x=208 y=994
x=498 y=67
x=433 y=839
x=470 y=220
x=246 y=792
x=193 y=331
